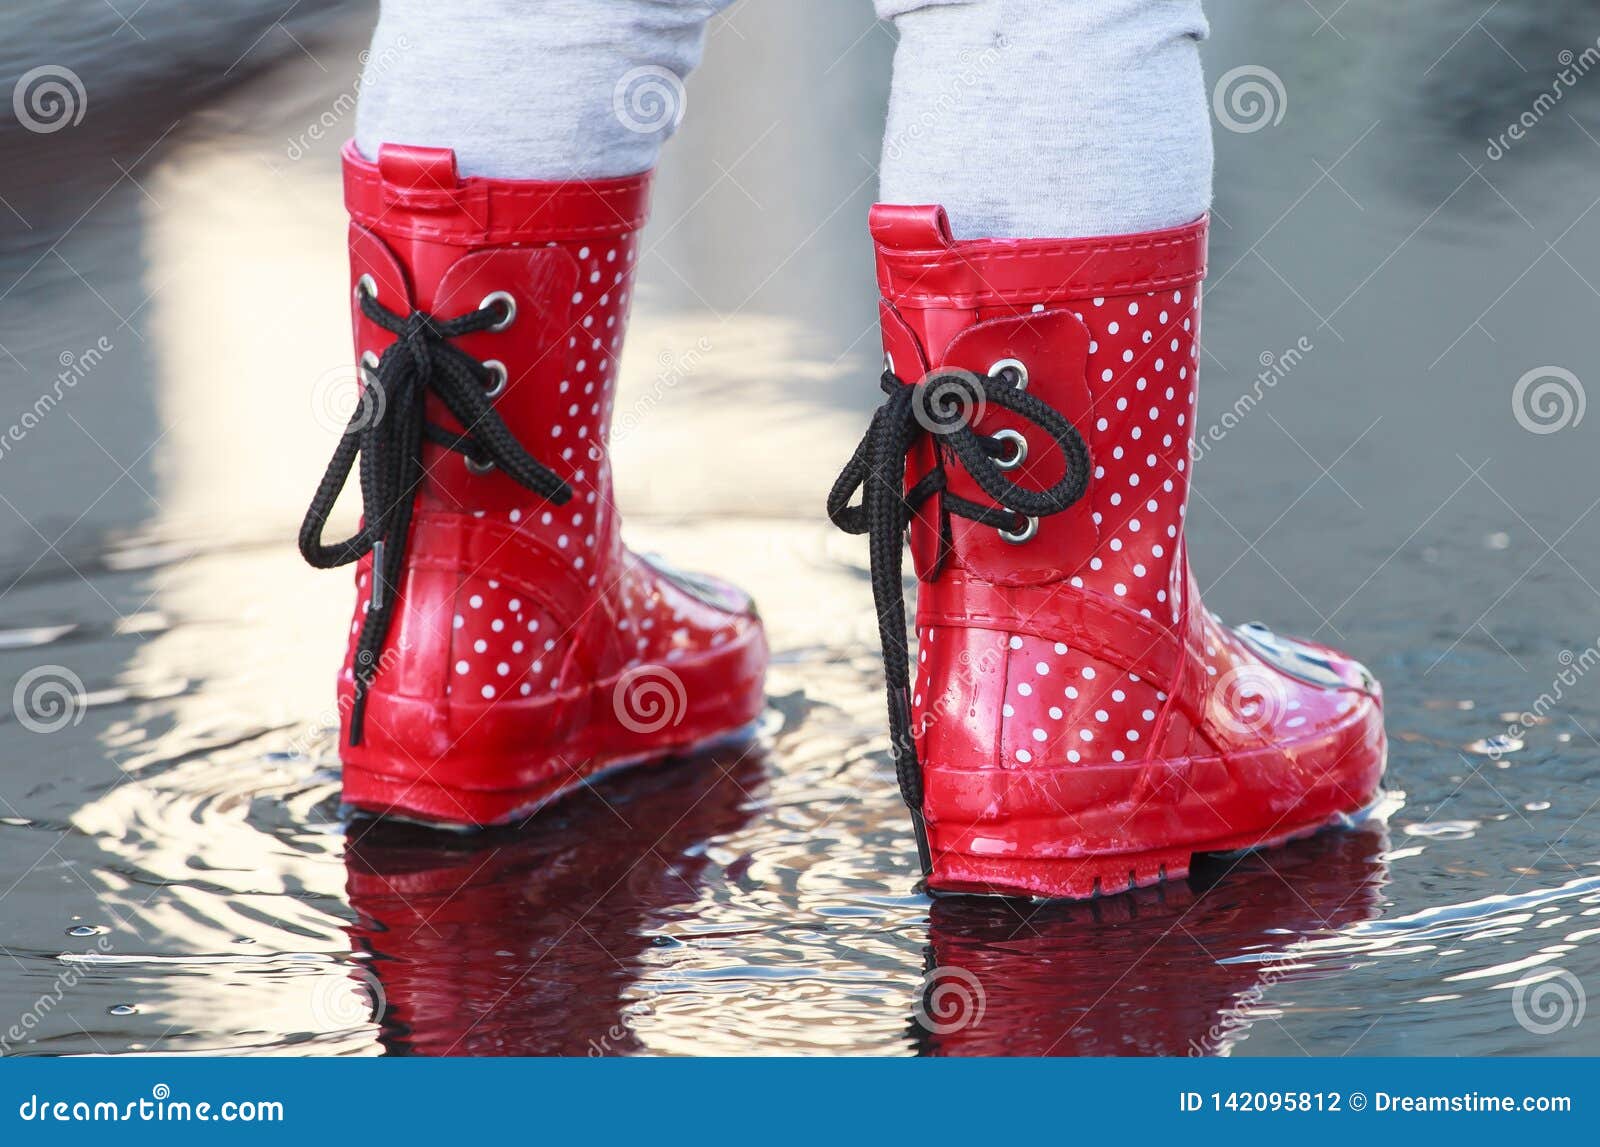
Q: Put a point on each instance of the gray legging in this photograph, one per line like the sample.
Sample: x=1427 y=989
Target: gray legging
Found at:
x=1025 y=118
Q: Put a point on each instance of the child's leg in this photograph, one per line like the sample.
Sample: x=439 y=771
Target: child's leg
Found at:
x=558 y=89
x=1049 y=117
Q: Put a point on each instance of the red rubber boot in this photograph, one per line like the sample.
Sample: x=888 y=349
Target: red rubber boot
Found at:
x=1079 y=724
x=505 y=647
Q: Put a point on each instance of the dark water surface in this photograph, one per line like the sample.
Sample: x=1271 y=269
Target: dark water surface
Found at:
x=174 y=873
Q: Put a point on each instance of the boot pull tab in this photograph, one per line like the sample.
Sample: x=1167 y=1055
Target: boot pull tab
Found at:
x=917 y=227
x=418 y=168
x=422 y=188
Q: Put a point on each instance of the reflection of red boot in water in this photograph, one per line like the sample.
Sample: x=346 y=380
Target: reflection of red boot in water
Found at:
x=1146 y=973
x=505 y=644
x=523 y=944
x=1077 y=722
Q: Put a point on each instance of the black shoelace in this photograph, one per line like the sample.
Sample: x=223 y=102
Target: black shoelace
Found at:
x=942 y=407
x=388 y=430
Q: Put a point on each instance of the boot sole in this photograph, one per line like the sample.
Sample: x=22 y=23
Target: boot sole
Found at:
x=370 y=802
x=1111 y=875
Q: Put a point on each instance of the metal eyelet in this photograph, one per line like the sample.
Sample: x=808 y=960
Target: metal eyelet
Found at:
x=1018 y=442
x=1030 y=527
x=1018 y=369
x=368 y=286
x=497 y=368
x=500 y=298
x=888 y=362
x=369 y=362
x=476 y=467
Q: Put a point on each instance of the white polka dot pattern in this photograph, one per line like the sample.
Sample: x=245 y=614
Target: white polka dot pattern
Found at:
x=558 y=603
x=1060 y=705
x=1068 y=705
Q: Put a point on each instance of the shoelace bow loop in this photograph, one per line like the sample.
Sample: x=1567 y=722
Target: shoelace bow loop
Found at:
x=944 y=407
x=387 y=432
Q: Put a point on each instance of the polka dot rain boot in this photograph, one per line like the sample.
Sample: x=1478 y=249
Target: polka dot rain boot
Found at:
x=1075 y=722
x=506 y=647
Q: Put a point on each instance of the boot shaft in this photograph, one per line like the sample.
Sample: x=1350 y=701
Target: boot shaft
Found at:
x=1104 y=331
x=558 y=258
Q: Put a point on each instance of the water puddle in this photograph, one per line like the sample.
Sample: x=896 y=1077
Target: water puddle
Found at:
x=175 y=875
